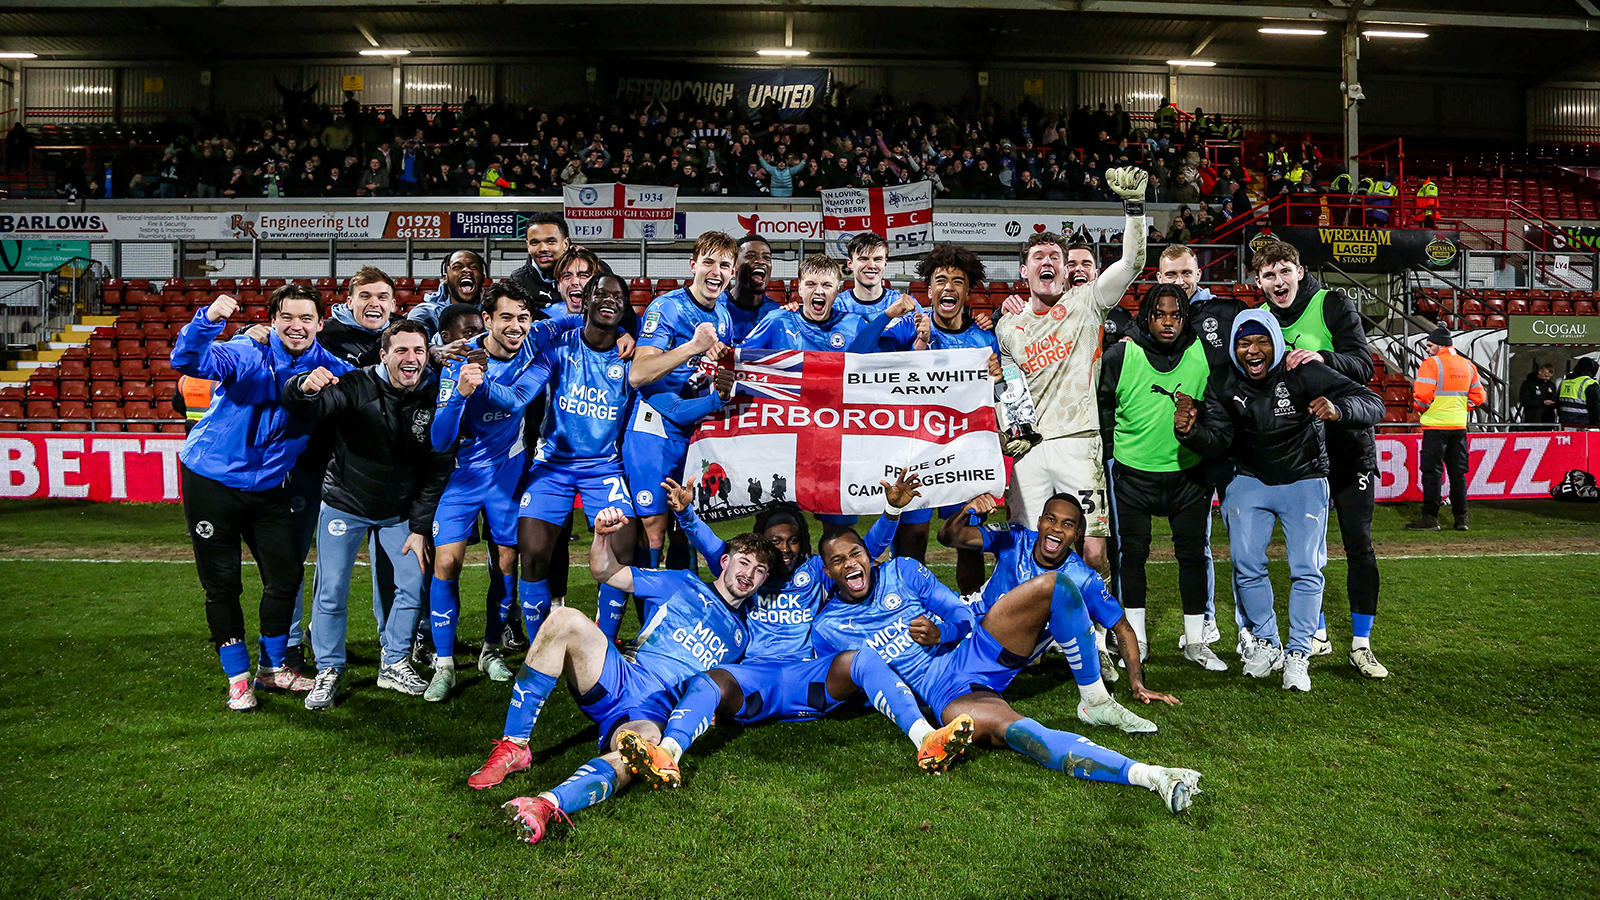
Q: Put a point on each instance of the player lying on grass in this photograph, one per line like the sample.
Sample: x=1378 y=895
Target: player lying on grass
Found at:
x=690 y=626
x=889 y=609
x=781 y=677
x=1020 y=554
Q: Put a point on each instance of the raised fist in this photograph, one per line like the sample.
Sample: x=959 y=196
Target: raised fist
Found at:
x=221 y=308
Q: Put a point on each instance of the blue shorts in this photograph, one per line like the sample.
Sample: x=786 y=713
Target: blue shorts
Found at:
x=492 y=489
x=782 y=690
x=626 y=692
x=551 y=485
x=919 y=516
x=976 y=664
x=648 y=460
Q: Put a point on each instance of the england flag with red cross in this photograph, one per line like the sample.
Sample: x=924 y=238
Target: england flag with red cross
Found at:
x=620 y=212
x=825 y=430
x=902 y=215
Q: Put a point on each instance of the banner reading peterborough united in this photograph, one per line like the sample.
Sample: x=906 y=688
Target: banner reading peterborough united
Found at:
x=824 y=430
x=903 y=215
x=620 y=212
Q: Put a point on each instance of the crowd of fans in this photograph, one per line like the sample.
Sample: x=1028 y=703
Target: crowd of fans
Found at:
x=967 y=151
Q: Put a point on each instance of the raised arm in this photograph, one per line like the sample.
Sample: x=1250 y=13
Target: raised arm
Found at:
x=197 y=353
x=681 y=498
x=458 y=382
x=1128 y=183
x=603 y=564
x=959 y=532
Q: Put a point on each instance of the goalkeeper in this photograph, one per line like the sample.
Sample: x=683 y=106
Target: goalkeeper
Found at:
x=1053 y=337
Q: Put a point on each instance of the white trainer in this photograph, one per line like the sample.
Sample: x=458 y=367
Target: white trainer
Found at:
x=438 y=689
x=1246 y=642
x=1367 y=664
x=1116 y=715
x=325 y=689
x=1321 y=646
x=1297 y=672
x=401 y=677
x=1177 y=788
x=1205 y=657
x=1262 y=659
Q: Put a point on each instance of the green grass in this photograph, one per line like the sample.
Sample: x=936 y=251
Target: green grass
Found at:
x=1469 y=773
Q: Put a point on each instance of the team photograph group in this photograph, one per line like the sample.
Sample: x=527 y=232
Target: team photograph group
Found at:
x=507 y=410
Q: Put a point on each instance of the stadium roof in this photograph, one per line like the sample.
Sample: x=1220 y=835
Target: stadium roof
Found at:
x=1537 y=40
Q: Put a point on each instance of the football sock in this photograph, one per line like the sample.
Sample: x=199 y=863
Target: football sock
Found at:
x=528 y=694
x=535 y=605
x=235 y=657
x=652 y=556
x=444 y=601
x=1361 y=626
x=1069 y=625
x=1194 y=629
x=698 y=706
x=673 y=749
x=594 y=781
x=1322 y=627
x=1067 y=752
x=612 y=603
x=502 y=590
x=273 y=650
x=1135 y=617
x=888 y=694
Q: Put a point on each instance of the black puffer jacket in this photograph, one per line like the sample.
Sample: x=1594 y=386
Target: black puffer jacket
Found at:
x=382 y=466
x=1264 y=426
x=1350 y=449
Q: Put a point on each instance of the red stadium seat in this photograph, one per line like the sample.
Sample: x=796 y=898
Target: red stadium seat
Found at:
x=73 y=389
x=103 y=369
x=326 y=284
x=41 y=389
x=138 y=391
x=157 y=349
x=105 y=390
x=73 y=411
x=1583 y=307
x=102 y=412
x=144 y=412
x=127 y=331
x=41 y=409
x=1495 y=321
x=1561 y=307
x=405 y=284
x=663 y=285
x=9 y=409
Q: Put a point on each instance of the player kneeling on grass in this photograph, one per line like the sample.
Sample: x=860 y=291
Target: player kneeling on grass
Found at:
x=690 y=626
x=782 y=678
x=1270 y=419
x=1022 y=554
x=384 y=480
x=885 y=609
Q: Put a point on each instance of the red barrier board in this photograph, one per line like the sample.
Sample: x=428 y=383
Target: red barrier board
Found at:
x=107 y=466
x=1505 y=465
x=113 y=466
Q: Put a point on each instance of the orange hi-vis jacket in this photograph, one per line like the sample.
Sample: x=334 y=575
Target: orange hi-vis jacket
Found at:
x=1447 y=386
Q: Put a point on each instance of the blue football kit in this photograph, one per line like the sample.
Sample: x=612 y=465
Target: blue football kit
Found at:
x=658 y=439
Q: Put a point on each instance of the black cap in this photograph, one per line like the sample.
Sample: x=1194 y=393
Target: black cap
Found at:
x=1440 y=336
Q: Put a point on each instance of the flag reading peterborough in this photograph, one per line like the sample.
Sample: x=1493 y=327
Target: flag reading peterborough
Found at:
x=825 y=429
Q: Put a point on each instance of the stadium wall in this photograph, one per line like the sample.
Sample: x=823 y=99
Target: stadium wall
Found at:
x=1285 y=101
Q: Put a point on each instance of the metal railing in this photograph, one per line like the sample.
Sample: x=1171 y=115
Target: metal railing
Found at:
x=24 y=321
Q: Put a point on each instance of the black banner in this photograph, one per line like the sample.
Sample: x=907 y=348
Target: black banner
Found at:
x=1368 y=249
x=793 y=91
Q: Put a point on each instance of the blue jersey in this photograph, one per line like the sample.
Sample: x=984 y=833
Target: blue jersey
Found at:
x=780 y=615
x=688 y=628
x=968 y=337
x=1014 y=564
x=902 y=590
x=671 y=320
x=786 y=329
x=489 y=423
x=588 y=404
x=847 y=302
x=745 y=320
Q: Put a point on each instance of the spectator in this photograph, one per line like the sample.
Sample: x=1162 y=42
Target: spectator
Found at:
x=210 y=173
x=1538 y=395
x=238 y=185
x=1183 y=190
x=1307 y=203
x=782 y=183
x=1446 y=389
x=19 y=147
x=1578 y=398
x=374 y=180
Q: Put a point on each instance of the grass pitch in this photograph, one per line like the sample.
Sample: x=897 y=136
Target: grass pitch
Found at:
x=1471 y=772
